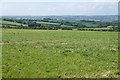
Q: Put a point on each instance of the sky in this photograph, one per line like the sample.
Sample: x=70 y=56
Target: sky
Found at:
x=58 y=7
x=59 y=0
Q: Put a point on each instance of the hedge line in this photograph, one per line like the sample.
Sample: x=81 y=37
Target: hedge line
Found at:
x=84 y=29
x=65 y=28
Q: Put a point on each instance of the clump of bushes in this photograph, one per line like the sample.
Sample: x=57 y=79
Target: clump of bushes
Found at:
x=92 y=29
x=52 y=29
x=66 y=28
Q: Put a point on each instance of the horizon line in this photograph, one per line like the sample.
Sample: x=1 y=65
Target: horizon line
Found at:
x=64 y=15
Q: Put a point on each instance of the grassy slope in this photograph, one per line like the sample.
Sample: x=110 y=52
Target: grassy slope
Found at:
x=66 y=26
x=48 y=54
x=88 y=24
x=48 y=23
x=14 y=23
x=54 y=24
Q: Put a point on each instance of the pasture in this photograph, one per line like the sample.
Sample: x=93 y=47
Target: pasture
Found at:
x=59 y=54
x=12 y=23
x=48 y=23
x=90 y=24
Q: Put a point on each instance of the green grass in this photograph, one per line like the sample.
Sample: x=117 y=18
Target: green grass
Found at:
x=66 y=26
x=54 y=54
x=88 y=24
x=54 y=24
x=48 y=23
x=13 y=23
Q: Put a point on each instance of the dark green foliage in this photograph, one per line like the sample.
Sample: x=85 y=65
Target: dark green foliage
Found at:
x=98 y=29
x=66 y=28
x=52 y=28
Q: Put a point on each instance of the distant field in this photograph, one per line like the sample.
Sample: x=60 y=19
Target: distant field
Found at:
x=89 y=24
x=48 y=23
x=59 y=54
x=12 y=23
x=66 y=26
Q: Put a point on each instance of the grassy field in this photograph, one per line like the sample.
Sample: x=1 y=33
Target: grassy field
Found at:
x=12 y=23
x=59 y=54
x=66 y=26
x=48 y=23
x=89 y=24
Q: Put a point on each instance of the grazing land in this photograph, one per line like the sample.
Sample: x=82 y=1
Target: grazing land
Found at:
x=59 y=54
x=48 y=23
x=90 y=24
x=12 y=23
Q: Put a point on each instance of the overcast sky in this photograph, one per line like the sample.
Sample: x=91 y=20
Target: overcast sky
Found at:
x=59 y=7
x=59 y=0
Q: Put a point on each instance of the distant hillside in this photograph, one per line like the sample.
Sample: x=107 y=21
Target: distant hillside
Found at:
x=106 y=18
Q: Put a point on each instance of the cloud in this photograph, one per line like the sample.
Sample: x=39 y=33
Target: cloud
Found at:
x=60 y=8
x=30 y=9
x=60 y=0
x=105 y=0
